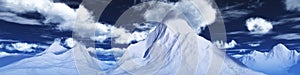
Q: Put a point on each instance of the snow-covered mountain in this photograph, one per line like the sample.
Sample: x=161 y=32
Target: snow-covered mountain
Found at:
x=277 y=61
x=172 y=48
x=47 y=62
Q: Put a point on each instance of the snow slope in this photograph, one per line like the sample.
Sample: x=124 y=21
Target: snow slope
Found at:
x=277 y=61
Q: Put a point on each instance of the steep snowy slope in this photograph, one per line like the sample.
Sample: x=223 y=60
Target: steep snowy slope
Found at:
x=277 y=61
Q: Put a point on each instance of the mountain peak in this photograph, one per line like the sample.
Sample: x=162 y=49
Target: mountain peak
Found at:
x=280 y=45
x=280 y=48
x=274 y=62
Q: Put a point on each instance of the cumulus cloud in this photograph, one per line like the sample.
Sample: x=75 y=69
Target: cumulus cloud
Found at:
x=82 y=22
x=224 y=45
x=290 y=36
x=23 y=47
x=53 y=12
x=123 y=36
x=292 y=5
x=116 y=52
x=70 y=42
x=79 y=21
x=157 y=11
x=139 y=36
x=199 y=13
x=85 y=26
x=258 y=25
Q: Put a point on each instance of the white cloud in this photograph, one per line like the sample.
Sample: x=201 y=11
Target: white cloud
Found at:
x=157 y=11
x=254 y=44
x=138 y=36
x=53 y=12
x=116 y=52
x=224 y=45
x=82 y=22
x=122 y=35
x=70 y=42
x=85 y=26
x=258 y=25
x=290 y=36
x=23 y=47
x=292 y=5
x=4 y=54
x=199 y=13
x=1 y=45
x=79 y=21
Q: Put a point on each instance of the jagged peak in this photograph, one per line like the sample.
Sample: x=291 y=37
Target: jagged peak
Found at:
x=280 y=48
x=55 y=47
